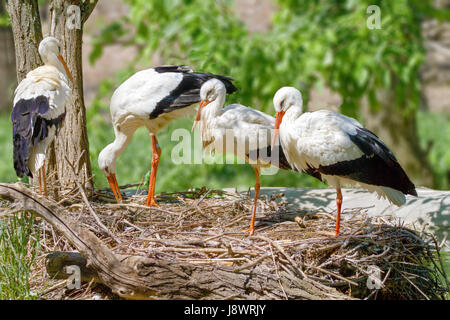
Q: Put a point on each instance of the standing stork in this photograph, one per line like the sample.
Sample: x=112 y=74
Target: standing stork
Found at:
x=151 y=98
x=339 y=149
x=250 y=131
x=38 y=111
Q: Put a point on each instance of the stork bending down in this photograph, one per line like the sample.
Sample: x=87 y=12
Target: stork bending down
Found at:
x=151 y=98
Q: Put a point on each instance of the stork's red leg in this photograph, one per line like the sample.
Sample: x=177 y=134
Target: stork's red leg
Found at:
x=44 y=180
x=156 y=153
x=251 y=230
x=339 y=205
x=40 y=181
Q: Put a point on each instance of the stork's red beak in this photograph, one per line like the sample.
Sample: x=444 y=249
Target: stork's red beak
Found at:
x=276 y=128
x=69 y=75
x=115 y=187
x=203 y=104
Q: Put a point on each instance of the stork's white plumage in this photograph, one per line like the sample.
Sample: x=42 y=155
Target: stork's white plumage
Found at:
x=238 y=130
x=339 y=149
x=151 y=98
x=39 y=109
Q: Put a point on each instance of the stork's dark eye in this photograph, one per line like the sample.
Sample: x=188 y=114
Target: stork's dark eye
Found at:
x=282 y=103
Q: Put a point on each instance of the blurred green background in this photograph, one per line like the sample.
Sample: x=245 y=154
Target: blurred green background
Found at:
x=324 y=48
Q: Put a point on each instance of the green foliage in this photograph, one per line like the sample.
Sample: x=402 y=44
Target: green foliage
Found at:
x=434 y=133
x=7 y=173
x=355 y=60
x=18 y=248
x=4 y=17
x=311 y=43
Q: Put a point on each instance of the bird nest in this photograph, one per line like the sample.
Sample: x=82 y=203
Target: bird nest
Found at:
x=374 y=258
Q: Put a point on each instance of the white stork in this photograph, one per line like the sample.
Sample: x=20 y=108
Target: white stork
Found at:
x=151 y=98
x=339 y=149
x=39 y=109
x=239 y=130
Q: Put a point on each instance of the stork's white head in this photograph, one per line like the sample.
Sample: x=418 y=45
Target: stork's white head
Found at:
x=212 y=90
x=50 y=52
x=107 y=163
x=285 y=99
x=49 y=46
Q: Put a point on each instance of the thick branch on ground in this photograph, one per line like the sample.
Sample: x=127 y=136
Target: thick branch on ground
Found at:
x=136 y=277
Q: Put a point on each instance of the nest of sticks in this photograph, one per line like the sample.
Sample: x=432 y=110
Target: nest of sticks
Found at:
x=374 y=258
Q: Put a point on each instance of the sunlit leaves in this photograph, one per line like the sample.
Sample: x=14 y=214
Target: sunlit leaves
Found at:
x=310 y=41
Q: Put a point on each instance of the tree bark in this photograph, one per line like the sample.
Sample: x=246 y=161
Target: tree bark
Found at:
x=136 y=277
x=27 y=32
x=72 y=141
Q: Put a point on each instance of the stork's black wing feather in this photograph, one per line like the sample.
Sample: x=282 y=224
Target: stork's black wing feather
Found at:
x=378 y=166
x=29 y=128
x=180 y=68
x=188 y=90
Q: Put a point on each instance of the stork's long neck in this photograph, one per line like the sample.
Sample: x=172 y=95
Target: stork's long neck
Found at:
x=115 y=149
x=209 y=115
x=292 y=114
x=52 y=60
x=214 y=108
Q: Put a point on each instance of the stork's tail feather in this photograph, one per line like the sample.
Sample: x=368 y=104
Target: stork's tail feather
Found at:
x=394 y=196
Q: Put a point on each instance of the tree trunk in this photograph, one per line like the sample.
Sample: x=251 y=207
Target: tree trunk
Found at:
x=72 y=141
x=399 y=131
x=26 y=26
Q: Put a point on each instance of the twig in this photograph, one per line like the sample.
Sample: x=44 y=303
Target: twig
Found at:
x=86 y=201
x=280 y=249
x=333 y=274
x=254 y=263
